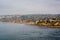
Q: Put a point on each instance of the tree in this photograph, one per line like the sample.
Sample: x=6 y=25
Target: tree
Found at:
x=52 y=23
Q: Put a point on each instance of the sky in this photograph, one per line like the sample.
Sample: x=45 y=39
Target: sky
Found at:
x=21 y=7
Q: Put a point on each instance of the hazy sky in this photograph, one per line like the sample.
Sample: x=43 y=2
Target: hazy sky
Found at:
x=29 y=7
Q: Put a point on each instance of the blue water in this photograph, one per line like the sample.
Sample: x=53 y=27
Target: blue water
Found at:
x=10 y=31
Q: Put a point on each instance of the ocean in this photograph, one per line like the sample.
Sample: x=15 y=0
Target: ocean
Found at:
x=14 y=31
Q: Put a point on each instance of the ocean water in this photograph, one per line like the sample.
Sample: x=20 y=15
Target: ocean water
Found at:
x=10 y=31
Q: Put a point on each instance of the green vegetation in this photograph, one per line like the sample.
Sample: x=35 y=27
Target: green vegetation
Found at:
x=46 y=20
x=52 y=23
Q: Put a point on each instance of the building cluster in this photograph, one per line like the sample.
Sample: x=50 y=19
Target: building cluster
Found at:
x=45 y=21
x=49 y=22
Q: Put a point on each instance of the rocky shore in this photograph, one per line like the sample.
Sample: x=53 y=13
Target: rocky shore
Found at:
x=55 y=25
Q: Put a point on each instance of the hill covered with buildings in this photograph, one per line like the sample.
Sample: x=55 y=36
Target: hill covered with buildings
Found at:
x=50 y=20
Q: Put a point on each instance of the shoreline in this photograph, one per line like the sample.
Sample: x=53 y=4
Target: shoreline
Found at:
x=49 y=26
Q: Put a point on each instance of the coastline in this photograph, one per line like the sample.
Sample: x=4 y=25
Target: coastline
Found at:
x=27 y=23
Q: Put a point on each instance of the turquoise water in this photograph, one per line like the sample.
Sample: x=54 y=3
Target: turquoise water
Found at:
x=10 y=31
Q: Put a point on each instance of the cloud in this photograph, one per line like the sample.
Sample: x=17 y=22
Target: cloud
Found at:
x=29 y=6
